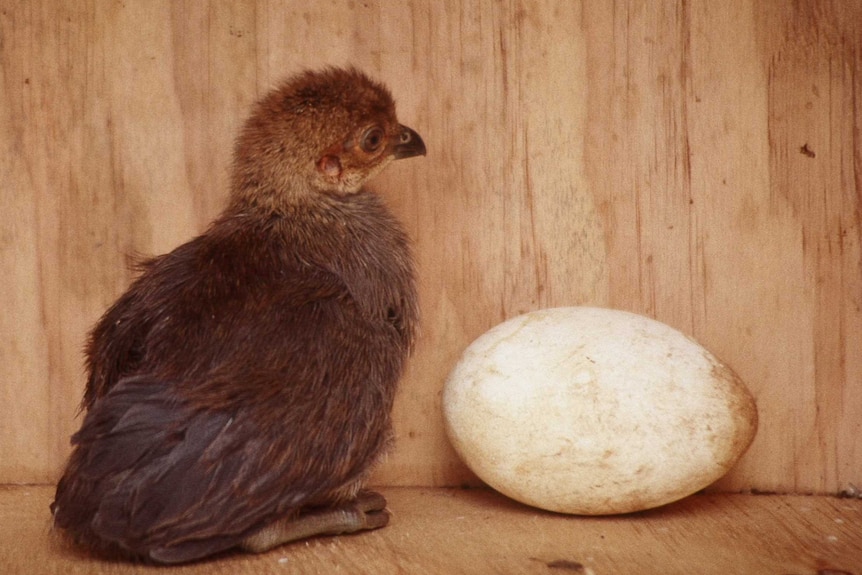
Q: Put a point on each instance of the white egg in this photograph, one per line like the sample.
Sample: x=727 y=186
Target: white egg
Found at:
x=595 y=411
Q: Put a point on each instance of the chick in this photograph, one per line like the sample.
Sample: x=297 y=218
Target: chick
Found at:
x=240 y=391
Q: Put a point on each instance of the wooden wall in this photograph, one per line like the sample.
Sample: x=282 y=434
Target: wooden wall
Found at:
x=696 y=161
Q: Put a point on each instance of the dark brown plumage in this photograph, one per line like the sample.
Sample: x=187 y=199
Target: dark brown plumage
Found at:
x=240 y=391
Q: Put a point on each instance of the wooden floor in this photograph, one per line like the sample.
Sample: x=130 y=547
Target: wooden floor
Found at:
x=442 y=531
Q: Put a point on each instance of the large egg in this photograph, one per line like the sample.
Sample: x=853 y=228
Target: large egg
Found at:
x=595 y=411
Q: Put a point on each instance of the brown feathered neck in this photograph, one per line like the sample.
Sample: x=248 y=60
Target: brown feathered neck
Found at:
x=355 y=237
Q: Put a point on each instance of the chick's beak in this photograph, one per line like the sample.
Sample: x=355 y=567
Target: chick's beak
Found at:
x=408 y=144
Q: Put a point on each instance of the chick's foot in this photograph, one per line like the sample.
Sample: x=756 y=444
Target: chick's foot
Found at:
x=367 y=511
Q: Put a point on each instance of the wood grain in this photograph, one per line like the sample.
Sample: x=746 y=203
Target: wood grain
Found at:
x=476 y=531
x=694 y=161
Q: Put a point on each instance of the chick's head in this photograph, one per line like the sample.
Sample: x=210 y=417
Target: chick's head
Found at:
x=321 y=132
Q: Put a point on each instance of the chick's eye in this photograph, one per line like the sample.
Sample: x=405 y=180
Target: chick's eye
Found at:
x=372 y=140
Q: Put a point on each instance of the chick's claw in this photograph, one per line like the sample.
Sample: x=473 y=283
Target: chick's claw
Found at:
x=371 y=510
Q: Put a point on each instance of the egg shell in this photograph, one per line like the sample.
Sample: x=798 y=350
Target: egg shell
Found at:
x=595 y=411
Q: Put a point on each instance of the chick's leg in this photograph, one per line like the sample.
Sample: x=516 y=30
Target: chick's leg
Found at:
x=367 y=511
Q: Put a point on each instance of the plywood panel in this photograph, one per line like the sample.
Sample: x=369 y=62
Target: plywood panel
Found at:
x=697 y=162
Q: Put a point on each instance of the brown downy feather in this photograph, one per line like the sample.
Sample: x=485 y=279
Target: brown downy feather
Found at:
x=250 y=373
